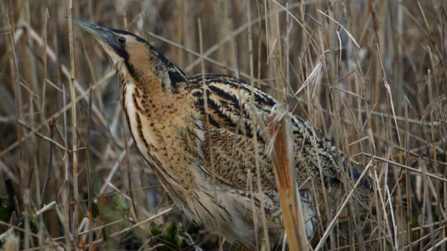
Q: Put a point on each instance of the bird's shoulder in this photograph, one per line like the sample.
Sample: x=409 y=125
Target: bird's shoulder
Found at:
x=227 y=100
x=228 y=85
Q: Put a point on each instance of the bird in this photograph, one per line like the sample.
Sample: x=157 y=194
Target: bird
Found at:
x=197 y=135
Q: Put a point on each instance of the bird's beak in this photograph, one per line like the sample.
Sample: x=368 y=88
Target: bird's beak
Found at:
x=100 y=33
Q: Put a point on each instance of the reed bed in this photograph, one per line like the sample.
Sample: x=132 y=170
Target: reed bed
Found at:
x=370 y=75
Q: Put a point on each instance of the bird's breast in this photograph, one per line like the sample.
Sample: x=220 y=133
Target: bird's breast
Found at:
x=167 y=136
x=145 y=138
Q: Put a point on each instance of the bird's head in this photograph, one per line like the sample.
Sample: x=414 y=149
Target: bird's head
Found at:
x=133 y=55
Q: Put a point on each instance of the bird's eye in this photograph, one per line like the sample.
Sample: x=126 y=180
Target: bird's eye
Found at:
x=121 y=40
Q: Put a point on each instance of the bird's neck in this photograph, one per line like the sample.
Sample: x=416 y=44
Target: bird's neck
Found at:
x=153 y=72
x=147 y=95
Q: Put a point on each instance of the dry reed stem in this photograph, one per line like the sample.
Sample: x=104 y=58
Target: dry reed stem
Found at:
x=208 y=126
x=284 y=169
x=89 y=171
x=265 y=239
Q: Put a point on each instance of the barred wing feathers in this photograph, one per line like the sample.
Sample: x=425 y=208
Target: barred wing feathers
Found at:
x=231 y=129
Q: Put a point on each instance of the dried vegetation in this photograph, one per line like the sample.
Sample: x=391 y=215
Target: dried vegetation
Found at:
x=371 y=75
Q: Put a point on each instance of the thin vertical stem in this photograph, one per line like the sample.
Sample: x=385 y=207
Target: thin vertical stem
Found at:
x=89 y=172
x=74 y=122
x=253 y=120
x=18 y=92
x=208 y=125
x=52 y=124
x=66 y=188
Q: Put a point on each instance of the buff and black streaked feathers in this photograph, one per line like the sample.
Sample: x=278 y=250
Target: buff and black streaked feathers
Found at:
x=165 y=111
x=229 y=106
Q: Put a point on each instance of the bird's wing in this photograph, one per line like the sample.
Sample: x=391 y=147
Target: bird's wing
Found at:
x=232 y=141
x=232 y=145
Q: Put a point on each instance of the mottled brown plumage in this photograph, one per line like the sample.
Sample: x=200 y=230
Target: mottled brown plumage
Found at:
x=166 y=113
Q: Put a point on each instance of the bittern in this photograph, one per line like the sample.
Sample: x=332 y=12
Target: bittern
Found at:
x=175 y=119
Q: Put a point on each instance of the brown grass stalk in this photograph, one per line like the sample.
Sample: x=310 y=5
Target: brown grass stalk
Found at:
x=284 y=168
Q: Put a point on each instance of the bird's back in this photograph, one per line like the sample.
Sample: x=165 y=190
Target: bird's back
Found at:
x=233 y=143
